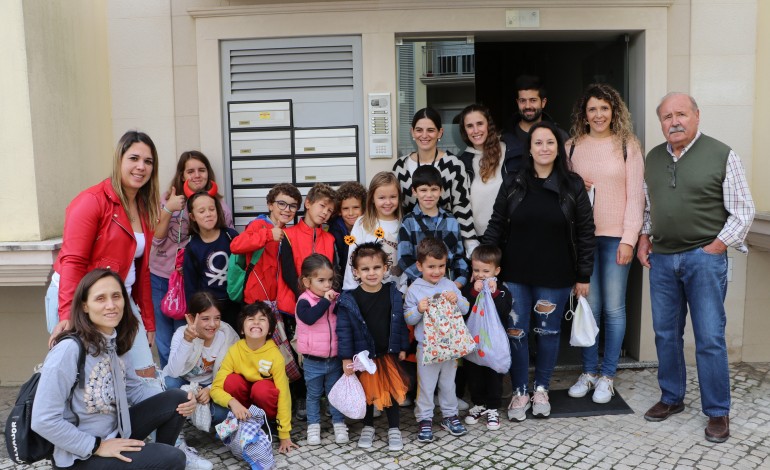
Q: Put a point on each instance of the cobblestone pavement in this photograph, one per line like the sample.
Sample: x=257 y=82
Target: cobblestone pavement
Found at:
x=618 y=442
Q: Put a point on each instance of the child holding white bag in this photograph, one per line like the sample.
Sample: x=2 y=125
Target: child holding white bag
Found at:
x=370 y=318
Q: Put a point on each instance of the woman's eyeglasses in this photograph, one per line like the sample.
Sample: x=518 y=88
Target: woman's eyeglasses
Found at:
x=283 y=205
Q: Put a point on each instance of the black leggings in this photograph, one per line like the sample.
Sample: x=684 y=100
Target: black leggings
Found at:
x=392 y=412
x=157 y=413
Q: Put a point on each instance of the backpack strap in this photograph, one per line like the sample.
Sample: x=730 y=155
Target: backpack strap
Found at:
x=80 y=382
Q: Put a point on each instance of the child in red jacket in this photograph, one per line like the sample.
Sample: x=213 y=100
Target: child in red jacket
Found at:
x=300 y=241
x=265 y=233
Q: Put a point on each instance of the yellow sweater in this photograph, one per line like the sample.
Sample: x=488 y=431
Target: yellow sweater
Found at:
x=241 y=359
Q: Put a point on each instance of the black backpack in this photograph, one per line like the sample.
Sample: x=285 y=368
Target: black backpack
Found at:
x=25 y=445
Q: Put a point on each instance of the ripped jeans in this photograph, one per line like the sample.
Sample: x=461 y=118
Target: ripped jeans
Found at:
x=548 y=306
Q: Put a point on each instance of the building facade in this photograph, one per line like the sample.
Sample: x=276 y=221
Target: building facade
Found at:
x=322 y=90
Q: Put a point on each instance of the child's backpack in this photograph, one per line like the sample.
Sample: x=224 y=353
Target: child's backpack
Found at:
x=23 y=444
x=246 y=439
x=446 y=336
x=238 y=272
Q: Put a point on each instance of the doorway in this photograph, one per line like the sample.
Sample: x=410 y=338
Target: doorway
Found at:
x=448 y=74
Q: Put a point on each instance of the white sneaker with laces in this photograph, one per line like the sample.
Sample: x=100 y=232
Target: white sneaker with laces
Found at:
x=493 y=420
x=194 y=461
x=474 y=415
x=584 y=383
x=604 y=390
x=341 y=433
x=540 y=405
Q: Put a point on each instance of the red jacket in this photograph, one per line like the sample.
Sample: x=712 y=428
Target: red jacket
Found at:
x=300 y=241
x=98 y=234
x=262 y=283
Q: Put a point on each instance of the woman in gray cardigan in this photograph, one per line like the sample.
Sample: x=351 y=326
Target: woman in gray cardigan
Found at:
x=99 y=420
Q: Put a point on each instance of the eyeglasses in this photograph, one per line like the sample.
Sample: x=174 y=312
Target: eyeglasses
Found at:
x=283 y=205
x=672 y=169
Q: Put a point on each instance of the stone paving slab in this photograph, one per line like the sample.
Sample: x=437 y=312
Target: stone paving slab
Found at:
x=604 y=442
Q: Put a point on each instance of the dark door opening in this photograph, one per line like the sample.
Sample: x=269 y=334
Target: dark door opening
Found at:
x=566 y=68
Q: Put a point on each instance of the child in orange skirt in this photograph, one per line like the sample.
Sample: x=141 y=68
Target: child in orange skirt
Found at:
x=370 y=318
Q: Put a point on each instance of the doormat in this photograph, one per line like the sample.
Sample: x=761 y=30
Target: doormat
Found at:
x=564 y=406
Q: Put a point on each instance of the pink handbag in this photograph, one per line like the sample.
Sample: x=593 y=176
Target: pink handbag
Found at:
x=174 y=304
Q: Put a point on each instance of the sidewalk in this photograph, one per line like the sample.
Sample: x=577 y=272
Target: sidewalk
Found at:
x=618 y=442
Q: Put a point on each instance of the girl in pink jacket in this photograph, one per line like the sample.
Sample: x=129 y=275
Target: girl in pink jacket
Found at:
x=317 y=341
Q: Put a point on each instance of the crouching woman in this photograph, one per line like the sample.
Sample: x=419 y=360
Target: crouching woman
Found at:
x=101 y=420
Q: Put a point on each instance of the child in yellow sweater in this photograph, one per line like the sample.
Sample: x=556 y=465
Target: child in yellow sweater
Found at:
x=254 y=373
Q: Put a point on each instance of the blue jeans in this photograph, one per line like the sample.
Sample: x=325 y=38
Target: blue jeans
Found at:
x=164 y=326
x=320 y=377
x=218 y=413
x=548 y=304
x=607 y=298
x=699 y=280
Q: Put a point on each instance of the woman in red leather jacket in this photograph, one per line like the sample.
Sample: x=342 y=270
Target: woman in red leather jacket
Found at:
x=110 y=225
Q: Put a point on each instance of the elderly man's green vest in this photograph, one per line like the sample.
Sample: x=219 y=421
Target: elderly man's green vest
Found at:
x=686 y=199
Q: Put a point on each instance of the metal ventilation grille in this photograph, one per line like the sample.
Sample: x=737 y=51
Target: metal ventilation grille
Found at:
x=286 y=68
x=406 y=92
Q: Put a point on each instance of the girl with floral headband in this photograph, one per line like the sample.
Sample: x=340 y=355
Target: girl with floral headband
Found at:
x=380 y=223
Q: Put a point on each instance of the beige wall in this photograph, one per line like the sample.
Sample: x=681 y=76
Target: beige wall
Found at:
x=142 y=75
x=761 y=166
x=56 y=119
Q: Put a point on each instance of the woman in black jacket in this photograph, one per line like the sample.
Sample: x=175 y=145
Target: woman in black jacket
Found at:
x=542 y=220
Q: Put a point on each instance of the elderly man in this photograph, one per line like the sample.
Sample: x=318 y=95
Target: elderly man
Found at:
x=698 y=204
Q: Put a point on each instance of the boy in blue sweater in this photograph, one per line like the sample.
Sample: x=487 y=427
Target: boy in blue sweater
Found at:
x=431 y=262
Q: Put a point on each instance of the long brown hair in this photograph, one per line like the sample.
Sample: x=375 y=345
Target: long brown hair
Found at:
x=621 y=127
x=178 y=181
x=148 y=196
x=492 y=153
x=82 y=325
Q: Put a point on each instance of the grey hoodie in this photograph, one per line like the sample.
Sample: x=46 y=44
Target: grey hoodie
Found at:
x=92 y=406
x=420 y=289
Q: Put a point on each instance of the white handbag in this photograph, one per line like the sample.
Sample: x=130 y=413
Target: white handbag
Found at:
x=584 y=328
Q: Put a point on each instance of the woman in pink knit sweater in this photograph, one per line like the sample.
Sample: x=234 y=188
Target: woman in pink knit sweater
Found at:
x=605 y=152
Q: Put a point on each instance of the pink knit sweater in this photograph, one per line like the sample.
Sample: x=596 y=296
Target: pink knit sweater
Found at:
x=619 y=197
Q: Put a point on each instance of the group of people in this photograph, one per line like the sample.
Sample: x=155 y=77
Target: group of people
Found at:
x=362 y=267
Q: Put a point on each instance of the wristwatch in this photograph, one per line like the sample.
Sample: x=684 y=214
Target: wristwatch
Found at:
x=97 y=443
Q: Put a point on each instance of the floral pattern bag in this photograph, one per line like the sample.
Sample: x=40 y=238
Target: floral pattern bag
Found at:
x=446 y=336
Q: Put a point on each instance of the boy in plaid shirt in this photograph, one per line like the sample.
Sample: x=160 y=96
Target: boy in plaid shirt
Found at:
x=428 y=220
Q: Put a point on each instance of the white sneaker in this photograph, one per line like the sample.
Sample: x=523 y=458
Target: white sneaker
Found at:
x=517 y=410
x=314 y=434
x=341 y=433
x=395 y=443
x=366 y=438
x=474 y=415
x=604 y=390
x=194 y=461
x=540 y=404
x=584 y=383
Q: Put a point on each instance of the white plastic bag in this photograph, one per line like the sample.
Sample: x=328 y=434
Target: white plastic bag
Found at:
x=493 y=349
x=584 y=328
x=348 y=397
x=201 y=417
